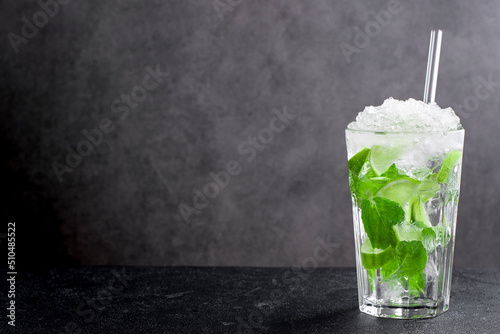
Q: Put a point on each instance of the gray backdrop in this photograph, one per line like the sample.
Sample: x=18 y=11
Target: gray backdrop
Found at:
x=225 y=71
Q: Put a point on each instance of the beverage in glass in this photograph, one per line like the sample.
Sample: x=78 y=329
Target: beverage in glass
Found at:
x=404 y=161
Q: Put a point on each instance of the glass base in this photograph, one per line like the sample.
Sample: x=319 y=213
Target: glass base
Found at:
x=416 y=309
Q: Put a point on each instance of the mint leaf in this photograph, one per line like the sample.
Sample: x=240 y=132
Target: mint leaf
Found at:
x=429 y=239
x=393 y=173
x=360 y=173
x=416 y=284
x=357 y=161
x=367 y=185
x=410 y=260
x=364 y=181
x=391 y=213
x=390 y=270
x=379 y=217
x=411 y=257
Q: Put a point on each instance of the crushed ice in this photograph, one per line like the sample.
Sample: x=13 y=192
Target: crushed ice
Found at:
x=403 y=116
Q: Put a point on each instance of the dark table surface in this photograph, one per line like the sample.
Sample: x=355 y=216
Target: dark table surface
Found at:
x=229 y=300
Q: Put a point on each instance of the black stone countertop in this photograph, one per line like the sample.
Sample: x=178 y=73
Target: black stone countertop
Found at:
x=229 y=300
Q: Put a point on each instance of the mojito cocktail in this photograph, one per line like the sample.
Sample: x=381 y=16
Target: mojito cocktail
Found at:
x=404 y=161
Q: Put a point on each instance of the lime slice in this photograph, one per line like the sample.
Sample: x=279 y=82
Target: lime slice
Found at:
x=399 y=191
x=374 y=258
x=448 y=165
x=381 y=158
x=418 y=213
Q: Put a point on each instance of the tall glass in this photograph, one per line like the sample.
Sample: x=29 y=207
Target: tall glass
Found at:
x=405 y=189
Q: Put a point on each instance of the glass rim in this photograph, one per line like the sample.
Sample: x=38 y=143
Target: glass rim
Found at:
x=461 y=129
